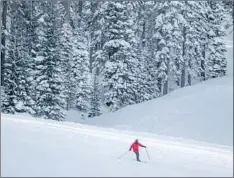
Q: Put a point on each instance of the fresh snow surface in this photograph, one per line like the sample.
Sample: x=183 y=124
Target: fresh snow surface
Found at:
x=202 y=112
x=75 y=116
x=36 y=147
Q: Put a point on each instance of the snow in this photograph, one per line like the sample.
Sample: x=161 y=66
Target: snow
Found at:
x=39 y=58
x=229 y=54
x=36 y=147
x=75 y=115
x=202 y=112
x=19 y=105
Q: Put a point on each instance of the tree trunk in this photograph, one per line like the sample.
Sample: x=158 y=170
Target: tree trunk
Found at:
x=189 y=75
x=80 y=7
x=166 y=83
x=189 y=79
x=203 y=73
x=143 y=35
x=66 y=5
x=183 y=76
x=91 y=51
x=92 y=46
x=165 y=87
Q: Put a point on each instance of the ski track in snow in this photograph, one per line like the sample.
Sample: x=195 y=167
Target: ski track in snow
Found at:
x=162 y=152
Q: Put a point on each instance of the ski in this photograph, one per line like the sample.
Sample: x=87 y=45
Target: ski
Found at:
x=140 y=161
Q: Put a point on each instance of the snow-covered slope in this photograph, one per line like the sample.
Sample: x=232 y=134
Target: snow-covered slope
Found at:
x=229 y=54
x=202 y=112
x=34 y=147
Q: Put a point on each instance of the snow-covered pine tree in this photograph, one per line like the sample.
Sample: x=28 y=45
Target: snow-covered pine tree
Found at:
x=95 y=97
x=66 y=55
x=193 y=32
x=134 y=56
x=35 y=25
x=217 y=61
x=175 y=42
x=119 y=74
x=17 y=65
x=80 y=57
x=146 y=79
x=95 y=25
x=7 y=63
x=144 y=30
x=29 y=41
x=205 y=28
x=82 y=73
x=4 y=7
x=169 y=43
x=9 y=101
x=50 y=100
x=229 y=9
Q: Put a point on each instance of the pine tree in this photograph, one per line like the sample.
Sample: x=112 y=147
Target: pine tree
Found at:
x=50 y=100
x=3 y=22
x=82 y=74
x=66 y=55
x=81 y=66
x=34 y=29
x=146 y=49
x=147 y=87
x=95 y=98
x=29 y=25
x=169 y=43
x=95 y=24
x=10 y=88
x=17 y=64
x=119 y=68
x=217 y=61
x=194 y=33
x=10 y=78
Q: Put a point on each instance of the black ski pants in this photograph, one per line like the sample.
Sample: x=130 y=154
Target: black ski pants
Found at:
x=137 y=156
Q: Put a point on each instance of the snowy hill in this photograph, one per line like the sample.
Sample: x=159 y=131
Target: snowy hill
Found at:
x=34 y=147
x=202 y=112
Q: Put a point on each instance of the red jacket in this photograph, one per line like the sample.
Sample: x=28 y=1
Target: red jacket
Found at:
x=135 y=147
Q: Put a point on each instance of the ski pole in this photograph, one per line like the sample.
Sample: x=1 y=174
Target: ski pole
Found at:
x=123 y=154
x=147 y=153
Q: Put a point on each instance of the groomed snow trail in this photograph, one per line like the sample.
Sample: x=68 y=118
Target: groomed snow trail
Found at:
x=33 y=147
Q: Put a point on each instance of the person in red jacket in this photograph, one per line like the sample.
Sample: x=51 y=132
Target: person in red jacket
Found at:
x=135 y=148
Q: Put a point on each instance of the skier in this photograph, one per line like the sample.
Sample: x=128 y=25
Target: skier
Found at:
x=135 y=148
